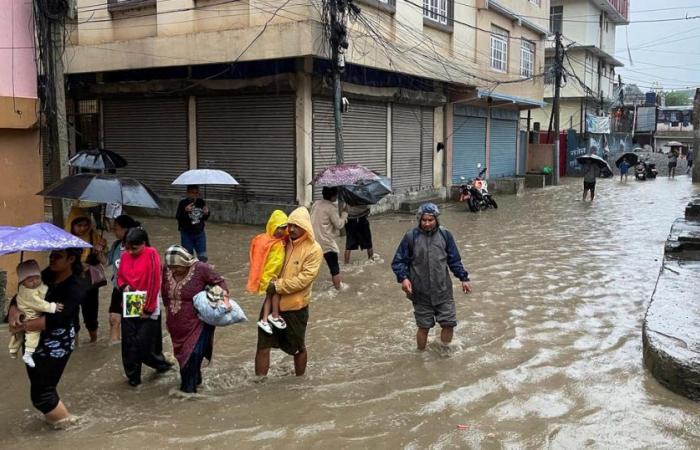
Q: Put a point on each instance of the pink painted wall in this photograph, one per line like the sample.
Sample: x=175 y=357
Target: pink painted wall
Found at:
x=17 y=65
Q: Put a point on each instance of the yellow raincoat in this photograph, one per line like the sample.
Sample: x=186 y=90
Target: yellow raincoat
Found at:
x=301 y=264
x=266 y=255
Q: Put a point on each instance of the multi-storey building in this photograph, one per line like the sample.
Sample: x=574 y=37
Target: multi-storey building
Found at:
x=588 y=36
x=245 y=86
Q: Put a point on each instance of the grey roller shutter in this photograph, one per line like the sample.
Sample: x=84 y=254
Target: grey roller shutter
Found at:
x=364 y=135
x=503 y=148
x=468 y=146
x=412 y=147
x=254 y=139
x=151 y=134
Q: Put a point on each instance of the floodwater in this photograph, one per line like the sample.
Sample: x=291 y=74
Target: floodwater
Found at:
x=547 y=352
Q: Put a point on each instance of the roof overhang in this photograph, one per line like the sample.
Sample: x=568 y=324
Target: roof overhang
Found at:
x=522 y=21
x=520 y=102
x=602 y=54
x=613 y=13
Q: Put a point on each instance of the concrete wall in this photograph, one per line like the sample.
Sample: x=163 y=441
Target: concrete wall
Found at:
x=538 y=156
x=17 y=71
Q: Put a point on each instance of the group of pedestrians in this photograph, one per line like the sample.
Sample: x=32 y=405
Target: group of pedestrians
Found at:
x=284 y=263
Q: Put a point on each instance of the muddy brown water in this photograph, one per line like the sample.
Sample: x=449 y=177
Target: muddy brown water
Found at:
x=547 y=353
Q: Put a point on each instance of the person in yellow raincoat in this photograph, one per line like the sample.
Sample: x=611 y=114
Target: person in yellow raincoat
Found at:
x=266 y=261
x=302 y=261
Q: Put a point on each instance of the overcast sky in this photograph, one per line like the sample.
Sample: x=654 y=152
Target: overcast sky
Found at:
x=663 y=52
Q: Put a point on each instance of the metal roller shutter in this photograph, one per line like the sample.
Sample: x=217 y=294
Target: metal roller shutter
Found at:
x=254 y=139
x=503 y=148
x=412 y=147
x=468 y=146
x=151 y=134
x=364 y=134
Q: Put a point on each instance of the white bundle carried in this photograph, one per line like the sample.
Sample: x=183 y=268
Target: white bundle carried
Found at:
x=213 y=310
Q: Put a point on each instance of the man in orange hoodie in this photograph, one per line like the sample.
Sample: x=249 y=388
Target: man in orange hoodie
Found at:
x=301 y=264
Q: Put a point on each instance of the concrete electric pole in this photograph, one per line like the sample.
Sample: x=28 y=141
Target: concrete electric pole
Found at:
x=337 y=11
x=696 y=130
x=558 y=66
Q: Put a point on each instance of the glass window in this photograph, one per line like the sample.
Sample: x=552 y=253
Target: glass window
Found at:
x=499 y=49
x=437 y=10
x=527 y=59
x=556 y=14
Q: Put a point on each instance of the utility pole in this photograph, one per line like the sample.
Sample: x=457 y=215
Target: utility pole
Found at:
x=696 y=130
x=338 y=10
x=558 y=66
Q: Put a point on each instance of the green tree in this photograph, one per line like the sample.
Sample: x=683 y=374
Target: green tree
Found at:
x=677 y=98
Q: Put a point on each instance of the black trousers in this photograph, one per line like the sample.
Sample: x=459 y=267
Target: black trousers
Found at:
x=90 y=308
x=44 y=378
x=191 y=373
x=142 y=343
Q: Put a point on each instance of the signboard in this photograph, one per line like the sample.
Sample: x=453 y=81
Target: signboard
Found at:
x=646 y=119
x=597 y=125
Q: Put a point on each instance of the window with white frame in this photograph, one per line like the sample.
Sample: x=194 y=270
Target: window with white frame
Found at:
x=535 y=2
x=437 y=10
x=499 y=49
x=527 y=58
x=556 y=17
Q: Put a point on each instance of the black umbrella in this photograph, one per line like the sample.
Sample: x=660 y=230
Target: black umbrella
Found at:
x=366 y=192
x=95 y=159
x=595 y=159
x=632 y=158
x=101 y=188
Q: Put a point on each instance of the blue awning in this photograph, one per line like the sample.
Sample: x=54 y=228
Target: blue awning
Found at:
x=524 y=103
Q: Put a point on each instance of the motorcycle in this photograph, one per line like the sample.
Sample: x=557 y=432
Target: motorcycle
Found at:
x=644 y=170
x=475 y=193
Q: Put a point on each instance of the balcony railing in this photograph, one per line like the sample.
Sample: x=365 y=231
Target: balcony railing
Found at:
x=619 y=8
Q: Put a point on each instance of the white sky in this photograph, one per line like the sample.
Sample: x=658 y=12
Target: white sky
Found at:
x=664 y=52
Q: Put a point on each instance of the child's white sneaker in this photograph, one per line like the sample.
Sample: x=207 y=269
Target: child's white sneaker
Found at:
x=28 y=359
x=265 y=327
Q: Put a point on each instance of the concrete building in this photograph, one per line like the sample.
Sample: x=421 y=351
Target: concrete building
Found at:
x=588 y=30
x=178 y=84
x=20 y=157
x=674 y=124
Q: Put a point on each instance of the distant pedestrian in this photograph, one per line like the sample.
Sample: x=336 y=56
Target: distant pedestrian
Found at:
x=624 y=169
x=327 y=223
x=357 y=232
x=672 y=163
x=591 y=171
x=301 y=264
x=142 y=337
x=422 y=264
x=192 y=213
x=689 y=158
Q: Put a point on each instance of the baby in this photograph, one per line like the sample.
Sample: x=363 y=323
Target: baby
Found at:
x=31 y=303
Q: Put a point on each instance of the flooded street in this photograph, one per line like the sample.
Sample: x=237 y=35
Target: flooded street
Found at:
x=547 y=352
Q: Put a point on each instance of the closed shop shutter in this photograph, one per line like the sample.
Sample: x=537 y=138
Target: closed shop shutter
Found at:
x=254 y=139
x=468 y=146
x=151 y=134
x=364 y=135
x=503 y=148
x=412 y=147
x=523 y=152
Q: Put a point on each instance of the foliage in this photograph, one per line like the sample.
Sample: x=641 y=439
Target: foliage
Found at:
x=677 y=98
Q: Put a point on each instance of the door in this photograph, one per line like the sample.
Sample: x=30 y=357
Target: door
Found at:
x=503 y=148
x=412 y=147
x=468 y=146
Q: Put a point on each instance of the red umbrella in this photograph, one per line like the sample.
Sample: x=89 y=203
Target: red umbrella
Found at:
x=343 y=175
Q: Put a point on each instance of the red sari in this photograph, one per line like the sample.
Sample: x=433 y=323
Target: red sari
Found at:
x=183 y=324
x=142 y=273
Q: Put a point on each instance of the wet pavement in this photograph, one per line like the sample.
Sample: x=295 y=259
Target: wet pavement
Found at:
x=547 y=352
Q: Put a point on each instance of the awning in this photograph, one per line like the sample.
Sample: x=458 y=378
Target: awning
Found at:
x=523 y=103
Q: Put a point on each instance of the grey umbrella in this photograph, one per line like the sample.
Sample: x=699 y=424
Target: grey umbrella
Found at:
x=101 y=188
x=95 y=159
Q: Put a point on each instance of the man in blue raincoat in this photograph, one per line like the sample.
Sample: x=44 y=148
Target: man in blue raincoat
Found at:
x=422 y=265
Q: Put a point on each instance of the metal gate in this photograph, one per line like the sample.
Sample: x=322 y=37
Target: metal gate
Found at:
x=364 y=135
x=468 y=146
x=412 y=147
x=254 y=139
x=503 y=148
x=151 y=134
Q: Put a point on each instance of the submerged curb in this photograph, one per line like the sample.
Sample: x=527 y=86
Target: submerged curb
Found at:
x=671 y=330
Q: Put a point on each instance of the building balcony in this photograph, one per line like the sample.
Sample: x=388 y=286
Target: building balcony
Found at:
x=617 y=10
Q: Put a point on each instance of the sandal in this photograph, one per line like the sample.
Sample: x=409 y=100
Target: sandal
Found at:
x=279 y=322
x=265 y=327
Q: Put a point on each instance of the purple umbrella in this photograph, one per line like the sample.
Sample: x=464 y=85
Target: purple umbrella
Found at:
x=343 y=175
x=39 y=237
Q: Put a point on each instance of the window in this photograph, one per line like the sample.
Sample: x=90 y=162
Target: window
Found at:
x=437 y=10
x=549 y=70
x=123 y=5
x=527 y=59
x=556 y=14
x=499 y=49
x=535 y=2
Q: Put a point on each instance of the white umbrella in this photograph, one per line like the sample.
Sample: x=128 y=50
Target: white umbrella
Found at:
x=204 y=177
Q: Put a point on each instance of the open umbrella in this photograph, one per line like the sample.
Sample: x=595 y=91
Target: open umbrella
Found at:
x=367 y=192
x=595 y=159
x=39 y=237
x=95 y=159
x=632 y=158
x=343 y=175
x=204 y=177
x=101 y=188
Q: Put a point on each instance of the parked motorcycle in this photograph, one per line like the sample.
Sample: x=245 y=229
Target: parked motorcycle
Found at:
x=475 y=193
x=644 y=170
